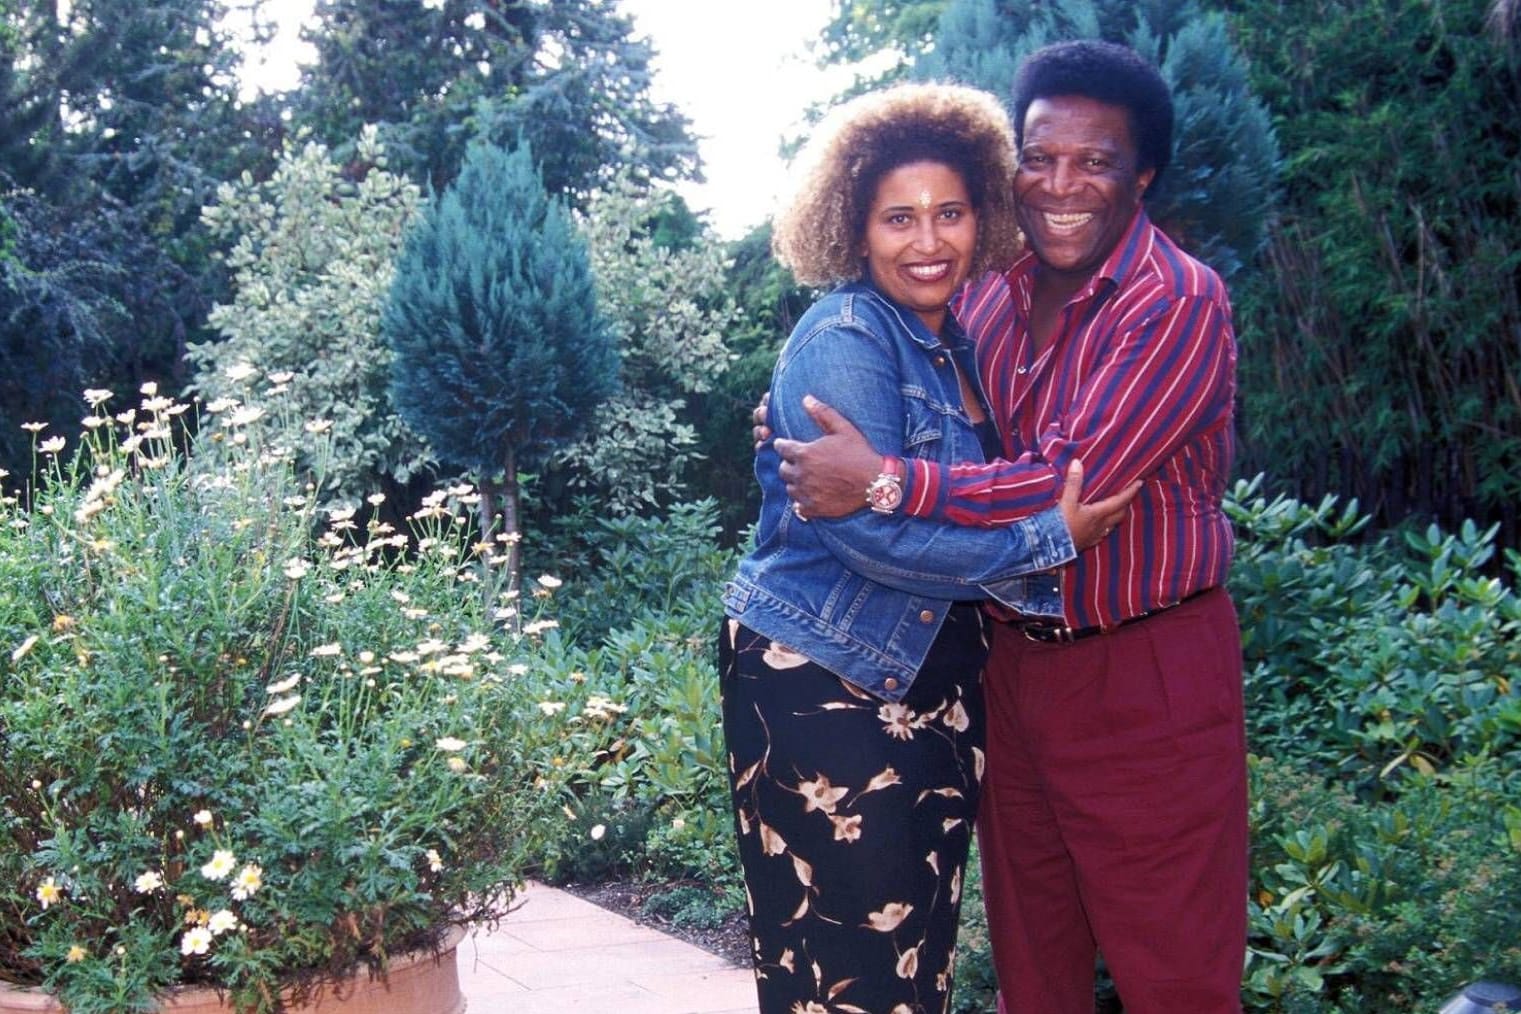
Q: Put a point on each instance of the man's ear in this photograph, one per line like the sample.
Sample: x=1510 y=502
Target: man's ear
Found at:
x=1142 y=181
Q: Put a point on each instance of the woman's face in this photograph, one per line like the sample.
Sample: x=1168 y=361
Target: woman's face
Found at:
x=921 y=233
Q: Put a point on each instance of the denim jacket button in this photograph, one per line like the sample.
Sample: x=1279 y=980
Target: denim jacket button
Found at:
x=890 y=683
x=927 y=617
x=939 y=360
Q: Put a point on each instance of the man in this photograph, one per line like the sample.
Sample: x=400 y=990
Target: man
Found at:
x=1114 y=804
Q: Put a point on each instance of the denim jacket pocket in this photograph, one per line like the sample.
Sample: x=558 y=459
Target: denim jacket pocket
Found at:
x=926 y=422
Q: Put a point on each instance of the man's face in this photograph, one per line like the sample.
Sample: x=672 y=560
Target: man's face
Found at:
x=1077 y=185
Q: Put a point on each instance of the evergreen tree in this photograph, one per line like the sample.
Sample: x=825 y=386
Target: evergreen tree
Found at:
x=26 y=88
x=58 y=321
x=133 y=105
x=1217 y=194
x=117 y=119
x=501 y=354
x=566 y=75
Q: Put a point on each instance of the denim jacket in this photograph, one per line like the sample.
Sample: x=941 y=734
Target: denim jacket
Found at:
x=865 y=595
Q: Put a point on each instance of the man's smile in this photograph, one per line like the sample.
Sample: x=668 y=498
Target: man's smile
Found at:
x=1066 y=223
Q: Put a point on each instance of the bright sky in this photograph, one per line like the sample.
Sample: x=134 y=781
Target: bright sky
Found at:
x=739 y=70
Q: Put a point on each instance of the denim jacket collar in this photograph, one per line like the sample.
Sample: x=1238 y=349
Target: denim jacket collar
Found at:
x=952 y=335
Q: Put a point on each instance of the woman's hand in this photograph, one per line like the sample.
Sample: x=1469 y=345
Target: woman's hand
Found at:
x=1090 y=523
x=758 y=428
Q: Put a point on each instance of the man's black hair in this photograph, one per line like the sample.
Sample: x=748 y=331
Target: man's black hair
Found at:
x=1109 y=73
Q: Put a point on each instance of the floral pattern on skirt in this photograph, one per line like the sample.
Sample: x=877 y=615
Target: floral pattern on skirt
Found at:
x=854 y=818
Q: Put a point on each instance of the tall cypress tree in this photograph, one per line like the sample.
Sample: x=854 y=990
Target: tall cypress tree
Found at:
x=501 y=354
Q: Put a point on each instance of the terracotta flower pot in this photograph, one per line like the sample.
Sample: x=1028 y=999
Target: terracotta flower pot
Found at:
x=416 y=983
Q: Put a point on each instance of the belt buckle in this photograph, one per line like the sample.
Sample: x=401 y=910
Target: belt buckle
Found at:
x=1045 y=633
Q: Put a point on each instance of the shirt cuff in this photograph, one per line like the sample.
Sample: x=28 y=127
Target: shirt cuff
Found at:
x=925 y=487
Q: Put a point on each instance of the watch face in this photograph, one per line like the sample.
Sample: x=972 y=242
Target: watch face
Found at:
x=885 y=494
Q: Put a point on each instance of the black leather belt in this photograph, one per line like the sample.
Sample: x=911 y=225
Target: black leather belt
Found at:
x=1056 y=633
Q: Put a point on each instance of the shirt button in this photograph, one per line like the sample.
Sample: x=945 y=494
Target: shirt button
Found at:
x=890 y=683
x=927 y=617
x=1022 y=370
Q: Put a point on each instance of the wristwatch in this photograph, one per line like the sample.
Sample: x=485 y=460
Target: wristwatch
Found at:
x=885 y=493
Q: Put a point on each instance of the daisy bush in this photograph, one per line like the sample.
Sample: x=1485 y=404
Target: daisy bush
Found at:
x=250 y=739
x=627 y=686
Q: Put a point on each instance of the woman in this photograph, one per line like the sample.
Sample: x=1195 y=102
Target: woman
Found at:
x=851 y=659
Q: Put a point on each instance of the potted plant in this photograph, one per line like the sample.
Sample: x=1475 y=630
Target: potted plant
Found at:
x=248 y=741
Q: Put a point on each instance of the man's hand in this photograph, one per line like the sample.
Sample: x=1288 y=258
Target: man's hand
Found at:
x=827 y=477
x=1091 y=523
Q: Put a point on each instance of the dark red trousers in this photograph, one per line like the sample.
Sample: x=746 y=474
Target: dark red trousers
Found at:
x=1114 y=815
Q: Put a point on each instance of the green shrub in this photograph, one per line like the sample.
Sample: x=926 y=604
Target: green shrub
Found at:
x=1371 y=660
x=622 y=569
x=694 y=905
x=244 y=738
x=698 y=844
x=633 y=743
x=604 y=840
x=1381 y=905
x=1385 y=718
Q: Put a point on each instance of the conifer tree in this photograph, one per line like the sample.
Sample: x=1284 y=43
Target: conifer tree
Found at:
x=570 y=76
x=1383 y=351
x=117 y=119
x=500 y=352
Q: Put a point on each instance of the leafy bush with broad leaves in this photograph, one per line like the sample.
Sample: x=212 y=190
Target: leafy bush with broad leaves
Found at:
x=668 y=299
x=247 y=741
x=1373 y=661
x=1360 y=904
x=1384 y=713
x=630 y=568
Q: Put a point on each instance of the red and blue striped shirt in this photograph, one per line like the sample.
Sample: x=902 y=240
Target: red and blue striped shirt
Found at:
x=1138 y=382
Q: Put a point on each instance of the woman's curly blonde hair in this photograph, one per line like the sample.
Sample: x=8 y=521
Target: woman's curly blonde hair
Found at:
x=819 y=231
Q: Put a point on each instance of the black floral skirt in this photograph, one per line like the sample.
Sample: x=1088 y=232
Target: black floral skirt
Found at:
x=854 y=818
